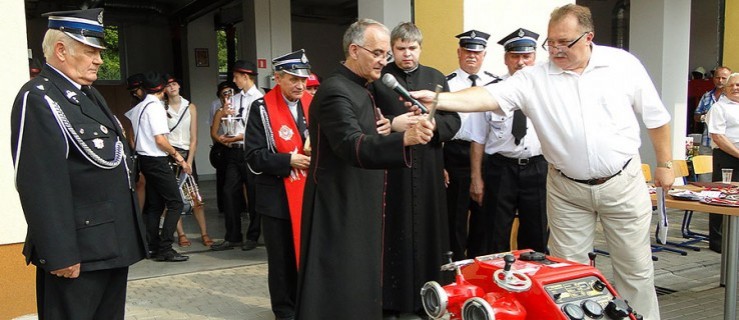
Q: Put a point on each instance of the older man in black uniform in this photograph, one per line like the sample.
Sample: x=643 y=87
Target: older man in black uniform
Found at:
x=72 y=176
x=277 y=131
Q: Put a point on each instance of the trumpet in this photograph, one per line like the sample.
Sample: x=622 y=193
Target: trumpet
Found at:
x=190 y=192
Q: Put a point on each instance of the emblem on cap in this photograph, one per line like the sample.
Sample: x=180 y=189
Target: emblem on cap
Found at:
x=304 y=59
x=473 y=35
x=100 y=17
x=521 y=33
x=40 y=87
x=286 y=133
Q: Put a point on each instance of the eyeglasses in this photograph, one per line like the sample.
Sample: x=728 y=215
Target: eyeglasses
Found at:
x=379 y=54
x=550 y=46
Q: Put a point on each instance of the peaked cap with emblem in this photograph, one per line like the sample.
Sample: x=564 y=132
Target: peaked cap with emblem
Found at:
x=520 y=41
x=294 y=63
x=85 y=26
x=473 y=40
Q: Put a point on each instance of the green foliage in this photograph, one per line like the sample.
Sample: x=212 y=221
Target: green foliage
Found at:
x=111 y=68
x=222 y=51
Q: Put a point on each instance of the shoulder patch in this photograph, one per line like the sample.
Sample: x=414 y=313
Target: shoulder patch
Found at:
x=451 y=76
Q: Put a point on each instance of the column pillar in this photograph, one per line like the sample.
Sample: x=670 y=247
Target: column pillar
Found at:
x=660 y=37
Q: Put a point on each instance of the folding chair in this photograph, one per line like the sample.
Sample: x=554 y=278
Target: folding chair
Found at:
x=701 y=164
x=647 y=170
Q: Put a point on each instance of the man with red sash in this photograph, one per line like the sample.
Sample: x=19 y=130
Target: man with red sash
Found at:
x=277 y=129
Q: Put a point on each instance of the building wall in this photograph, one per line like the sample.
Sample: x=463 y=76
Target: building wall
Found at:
x=731 y=37
x=17 y=280
x=439 y=26
x=324 y=55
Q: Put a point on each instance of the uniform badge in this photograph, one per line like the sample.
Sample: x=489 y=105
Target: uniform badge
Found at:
x=521 y=33
x=72 y=96
x=103 y=129
x=82 y=131
x=40 y=87
x=100 y=17
x=98 y=143
x=286 y=133
x=306 y=133
x=473 y=35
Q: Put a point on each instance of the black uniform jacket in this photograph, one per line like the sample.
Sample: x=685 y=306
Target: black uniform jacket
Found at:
x=416 y=232
x=270 y=168
x=343 y=206
x=77 y=212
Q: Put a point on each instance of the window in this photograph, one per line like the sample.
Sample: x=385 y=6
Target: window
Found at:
x=111 y=68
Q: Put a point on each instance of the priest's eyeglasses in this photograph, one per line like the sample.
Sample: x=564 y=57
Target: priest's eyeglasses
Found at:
x=379 y=54
x=558 y=46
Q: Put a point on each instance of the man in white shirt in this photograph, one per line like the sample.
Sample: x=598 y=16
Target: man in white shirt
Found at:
x=236 y=172
x=462 y=211
x=515 y=172
x=579 y=104
x=149 y=120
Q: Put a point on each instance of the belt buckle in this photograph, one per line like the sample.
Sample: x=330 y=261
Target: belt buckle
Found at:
x=523 y=161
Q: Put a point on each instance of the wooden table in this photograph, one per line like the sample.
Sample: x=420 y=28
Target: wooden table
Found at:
x=730 y=243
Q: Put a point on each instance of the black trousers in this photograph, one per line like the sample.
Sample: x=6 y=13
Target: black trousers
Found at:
x=721 y=160
x=161 y=192
x=237 y=175
x=283 y=271
x=466 y=233
x=511 y=188
x=93 y=295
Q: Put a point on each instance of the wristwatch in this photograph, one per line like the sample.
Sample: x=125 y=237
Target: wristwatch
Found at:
x=667 y=164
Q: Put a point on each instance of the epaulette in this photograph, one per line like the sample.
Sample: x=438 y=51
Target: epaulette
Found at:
x=496 y=80
x=451 y=76
x=490 y=74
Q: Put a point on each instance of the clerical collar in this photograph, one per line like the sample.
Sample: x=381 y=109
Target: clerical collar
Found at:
x=411 y=70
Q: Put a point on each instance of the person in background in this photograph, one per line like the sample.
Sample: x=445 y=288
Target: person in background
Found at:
x=576 y=103
x=71 y=166
x=224 y=92
x=466 y=224
x=133 y=85
x=183 y=136
x=416 y=235
x=720 y=75
x=341 y=228
x=515 y=172
x=277 y=131
x=723 y=125
x=149 y=119
x=312 y=84
x=237 y=174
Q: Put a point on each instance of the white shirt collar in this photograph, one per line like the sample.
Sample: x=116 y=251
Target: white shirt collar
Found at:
x=77 y=85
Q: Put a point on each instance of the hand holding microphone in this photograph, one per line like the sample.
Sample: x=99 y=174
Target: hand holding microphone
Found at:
x=392 y=83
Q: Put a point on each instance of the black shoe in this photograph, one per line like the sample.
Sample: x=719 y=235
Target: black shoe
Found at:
x=225 y=245
x=249 y=245
x=171 y=256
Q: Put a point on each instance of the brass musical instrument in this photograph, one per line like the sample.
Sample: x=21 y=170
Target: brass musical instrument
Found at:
x=190 y=192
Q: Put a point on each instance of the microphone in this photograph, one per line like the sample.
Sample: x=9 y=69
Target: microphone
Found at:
x=392 y=83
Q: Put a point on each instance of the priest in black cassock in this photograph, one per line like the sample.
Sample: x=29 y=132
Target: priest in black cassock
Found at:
x=340 y=275
x=416 y=229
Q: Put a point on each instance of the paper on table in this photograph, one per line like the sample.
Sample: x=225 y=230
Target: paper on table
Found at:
x=661 y=233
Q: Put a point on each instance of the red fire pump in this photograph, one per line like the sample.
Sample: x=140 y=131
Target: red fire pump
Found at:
x=522 y=285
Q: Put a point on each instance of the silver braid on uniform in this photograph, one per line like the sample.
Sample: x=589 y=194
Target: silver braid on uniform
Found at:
x=268 y=129
x=81 y=145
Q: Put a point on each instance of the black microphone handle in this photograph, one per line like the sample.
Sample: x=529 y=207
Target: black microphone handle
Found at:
x=407 y=96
